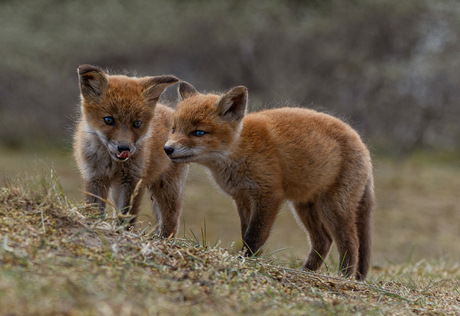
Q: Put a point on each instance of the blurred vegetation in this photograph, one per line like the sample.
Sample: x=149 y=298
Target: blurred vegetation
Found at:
x=389 y=67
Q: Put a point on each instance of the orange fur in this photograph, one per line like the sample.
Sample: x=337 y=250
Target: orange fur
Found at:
x=311 y=159
x=100 y=149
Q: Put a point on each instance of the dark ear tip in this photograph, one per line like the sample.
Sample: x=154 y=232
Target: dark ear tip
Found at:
x=239 y=90
x=84 y=69
x=186 y=90
x=170 y=79
x=184 y=84
x=243 y=88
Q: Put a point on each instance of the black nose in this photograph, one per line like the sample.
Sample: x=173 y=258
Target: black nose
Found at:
x=122 y=148
x=168 y=150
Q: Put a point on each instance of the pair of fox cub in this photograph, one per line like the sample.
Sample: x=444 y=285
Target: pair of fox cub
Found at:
x=127 y=142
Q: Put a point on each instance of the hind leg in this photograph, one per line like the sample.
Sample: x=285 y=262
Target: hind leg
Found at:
x=364 y=224
x=320 y=238
x=340 y=219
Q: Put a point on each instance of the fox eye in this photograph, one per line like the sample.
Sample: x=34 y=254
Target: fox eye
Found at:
x=137 y=124
x=109 y=120
x=198 y=133
x=173 y=130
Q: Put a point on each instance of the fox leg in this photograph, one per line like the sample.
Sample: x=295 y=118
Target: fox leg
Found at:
x=98 y=189
x=364 y=224
x=168 y=194
x=320 y=239
x=122 y=194
x=243 y=205
x=264 y=210
x=340 y=218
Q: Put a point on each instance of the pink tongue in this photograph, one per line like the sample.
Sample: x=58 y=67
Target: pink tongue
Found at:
x=123 y=154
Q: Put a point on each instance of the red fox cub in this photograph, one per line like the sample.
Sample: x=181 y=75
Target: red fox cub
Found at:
x=119 y=141
x=315 y=161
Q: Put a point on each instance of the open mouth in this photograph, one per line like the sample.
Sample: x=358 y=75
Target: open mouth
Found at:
x=124 y=155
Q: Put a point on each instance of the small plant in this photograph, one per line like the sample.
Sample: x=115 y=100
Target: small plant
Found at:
x=193 y=238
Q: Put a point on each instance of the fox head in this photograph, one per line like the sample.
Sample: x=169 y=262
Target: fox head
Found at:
x=119 y=109
x=206 y=126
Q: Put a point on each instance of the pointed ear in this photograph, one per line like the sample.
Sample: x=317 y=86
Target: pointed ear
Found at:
x=232 y=105
x=93 y=82
x=186 y=90
x=154 y=86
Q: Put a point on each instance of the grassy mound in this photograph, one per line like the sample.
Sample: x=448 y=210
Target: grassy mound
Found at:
x=61 y=258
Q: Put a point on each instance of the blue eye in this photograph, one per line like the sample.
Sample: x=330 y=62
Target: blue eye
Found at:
x=109 y=120
x=173 y=130
x=137 y=124
x=198 y=133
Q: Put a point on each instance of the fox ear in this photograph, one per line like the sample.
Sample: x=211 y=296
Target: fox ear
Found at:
x=93 y=82
x=186 y=90
x=154 y=86
x=232 y=105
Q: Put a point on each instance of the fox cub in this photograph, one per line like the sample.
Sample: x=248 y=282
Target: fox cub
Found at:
x=119 y=142
x=315 y=161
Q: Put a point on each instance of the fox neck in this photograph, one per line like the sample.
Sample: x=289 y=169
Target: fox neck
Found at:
x=219 y=160
x=226 y=168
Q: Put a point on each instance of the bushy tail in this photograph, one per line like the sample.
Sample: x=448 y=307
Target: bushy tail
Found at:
x=364 y=225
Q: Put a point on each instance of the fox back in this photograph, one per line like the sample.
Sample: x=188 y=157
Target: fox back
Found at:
x=315 y=161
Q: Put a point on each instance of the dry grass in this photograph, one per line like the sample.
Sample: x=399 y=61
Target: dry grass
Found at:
x=417 y=216
x=60 y=258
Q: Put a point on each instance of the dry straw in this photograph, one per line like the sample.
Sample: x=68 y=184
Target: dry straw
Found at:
x=59 y=257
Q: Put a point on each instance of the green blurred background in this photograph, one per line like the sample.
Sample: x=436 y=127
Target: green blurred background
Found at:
x=390 y=68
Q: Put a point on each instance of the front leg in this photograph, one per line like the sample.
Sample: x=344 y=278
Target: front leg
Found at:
x=96 y=191
x=265 y=208
x=168 y=194
x=243 y=206
x=127 y=195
